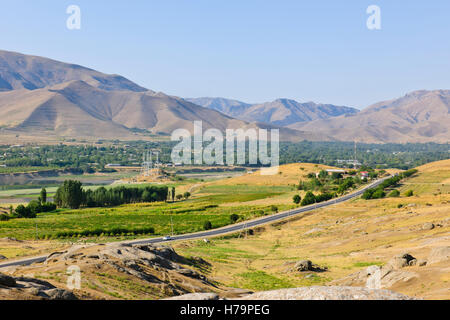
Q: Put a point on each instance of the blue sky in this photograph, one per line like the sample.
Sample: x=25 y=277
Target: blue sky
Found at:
x=249 y=50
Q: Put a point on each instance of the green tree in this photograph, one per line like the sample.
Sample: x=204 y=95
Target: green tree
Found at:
x=409 y=193
x=309 y=198
x=378 y=194
x=234 y=218
x=35 y=207
x=43 y=196
x=186 y=195
x=173 y=194
x=323 y=174
x=146 y=196
x=297 y=199
x=69 y=195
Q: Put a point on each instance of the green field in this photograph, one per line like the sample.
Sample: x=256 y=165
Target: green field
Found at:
x=136 y=220
x=26 y=169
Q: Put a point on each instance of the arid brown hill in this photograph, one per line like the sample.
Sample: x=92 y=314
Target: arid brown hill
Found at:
x=420 y=116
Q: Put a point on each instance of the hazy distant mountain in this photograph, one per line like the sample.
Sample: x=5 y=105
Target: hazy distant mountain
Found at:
x=19 y=71
x=420 y=116
x=281 y=112
x=227 y=106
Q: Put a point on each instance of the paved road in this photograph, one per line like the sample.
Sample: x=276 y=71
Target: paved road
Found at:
x=228 y=229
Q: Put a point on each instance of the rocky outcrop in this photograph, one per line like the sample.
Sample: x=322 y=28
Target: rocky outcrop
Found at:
x=327 y=293
x=307 y=293
x=29 y=288
x=196 y=296
x=307 y=265
x=402 y=260
x=438 y=255
x=382 y=277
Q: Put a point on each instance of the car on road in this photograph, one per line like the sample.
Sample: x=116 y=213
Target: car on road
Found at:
x=167 y=238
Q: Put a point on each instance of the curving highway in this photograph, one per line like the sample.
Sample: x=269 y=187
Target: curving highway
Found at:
x=225 y=230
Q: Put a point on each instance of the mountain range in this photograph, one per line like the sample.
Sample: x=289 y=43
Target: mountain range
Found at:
x=281 y=112
x=41 y=98
x=419 y=116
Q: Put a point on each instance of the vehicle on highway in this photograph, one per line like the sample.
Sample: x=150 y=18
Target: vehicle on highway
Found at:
x=167 y=238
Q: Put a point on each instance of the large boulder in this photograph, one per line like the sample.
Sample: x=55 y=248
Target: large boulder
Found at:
x=60 y=294
x=428 y=226
x=304 y=265
x=7 y=281
x=307 y=265
x=402 y=260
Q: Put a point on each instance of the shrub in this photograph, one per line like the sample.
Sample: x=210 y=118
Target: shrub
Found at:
x=234 y=218
x=48 y=207
x=297 y=199
x=409 y=193
x=378 y=194
x=394 y=193
x=24 y=212
x=35 y=207
x=207 y=225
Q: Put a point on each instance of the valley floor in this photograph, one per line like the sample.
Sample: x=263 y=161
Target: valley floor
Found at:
x=343 y=240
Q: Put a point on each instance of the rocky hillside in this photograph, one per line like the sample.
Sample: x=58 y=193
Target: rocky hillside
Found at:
x=406 y=239
x=119 y=271
x=114 y=271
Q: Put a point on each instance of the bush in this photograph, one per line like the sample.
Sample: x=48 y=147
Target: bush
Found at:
x=394 y=193
x=378 y=194
x=297 y=199
x=234 y=218
x=48 y=207
x=35 y=207
x=24 y=212
x=409 y=193
x=274 y=208
x=207 y=225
